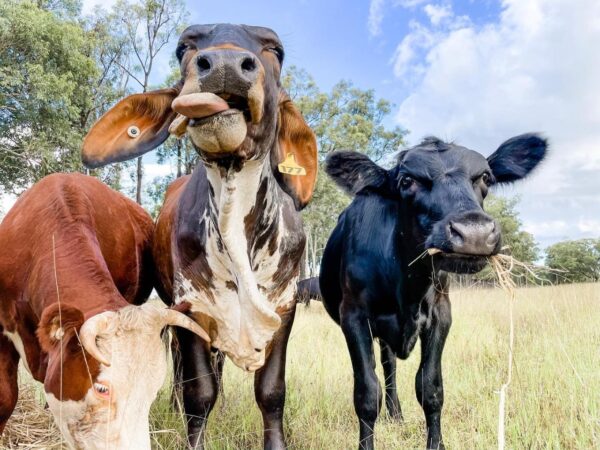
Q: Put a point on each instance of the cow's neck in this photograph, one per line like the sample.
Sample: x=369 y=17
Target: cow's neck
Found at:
x=239 y=194
x=417 y=274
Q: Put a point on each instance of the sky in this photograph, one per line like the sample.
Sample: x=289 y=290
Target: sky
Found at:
x=473 y=71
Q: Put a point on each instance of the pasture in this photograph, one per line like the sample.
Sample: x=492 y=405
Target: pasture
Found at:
x=553 y=401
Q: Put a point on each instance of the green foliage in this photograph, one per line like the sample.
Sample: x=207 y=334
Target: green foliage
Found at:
x=515 y=241
x=521 y=244
x=347 y=118
x=46 y=73
x=155 y=193
x=575 y=261
x=147 y=27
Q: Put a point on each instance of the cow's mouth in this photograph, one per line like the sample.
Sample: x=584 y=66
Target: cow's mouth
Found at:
x=217 y=122
x=460 y=263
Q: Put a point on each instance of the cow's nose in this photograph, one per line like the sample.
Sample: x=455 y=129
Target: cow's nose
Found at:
x=226 y=70
x=473 y=235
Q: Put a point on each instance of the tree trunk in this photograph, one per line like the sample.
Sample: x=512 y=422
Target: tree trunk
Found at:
x=138 y=189
x=179 y=160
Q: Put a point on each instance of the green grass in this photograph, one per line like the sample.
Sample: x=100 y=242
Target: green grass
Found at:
x=553 y=402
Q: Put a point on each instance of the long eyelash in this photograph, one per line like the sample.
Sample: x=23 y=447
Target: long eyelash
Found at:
x=279 y=53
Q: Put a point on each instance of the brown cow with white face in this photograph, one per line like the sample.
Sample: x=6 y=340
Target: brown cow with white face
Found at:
x=74 y=264
x=229 y=238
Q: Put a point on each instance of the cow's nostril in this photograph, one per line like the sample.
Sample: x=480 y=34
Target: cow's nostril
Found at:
x=204 y=64
x=453 y=232
x=248 y=64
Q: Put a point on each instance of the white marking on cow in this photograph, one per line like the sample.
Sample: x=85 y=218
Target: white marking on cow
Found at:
x=246 y=319
x=138 y=368
x=19 y=346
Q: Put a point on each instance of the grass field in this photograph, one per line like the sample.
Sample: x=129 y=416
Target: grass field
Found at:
x=553 y=402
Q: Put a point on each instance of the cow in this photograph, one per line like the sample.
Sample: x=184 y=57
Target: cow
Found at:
x=229 y=237
x=308 y=289
x=384 y=273
x=75 y=267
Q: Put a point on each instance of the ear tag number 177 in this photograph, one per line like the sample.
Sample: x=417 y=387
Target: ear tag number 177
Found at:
x=290 y=166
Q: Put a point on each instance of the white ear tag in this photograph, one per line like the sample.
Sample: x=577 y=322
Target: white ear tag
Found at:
x=133 y=132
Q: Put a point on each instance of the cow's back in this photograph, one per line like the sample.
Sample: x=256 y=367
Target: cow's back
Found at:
x=161 y=246
x=361 y=254
x=63 y=209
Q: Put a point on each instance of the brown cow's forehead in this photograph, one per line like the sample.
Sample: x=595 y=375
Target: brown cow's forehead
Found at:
x=246 y=36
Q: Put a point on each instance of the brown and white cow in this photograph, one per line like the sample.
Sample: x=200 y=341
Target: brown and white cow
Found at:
x=229 y=238
x=74 y=265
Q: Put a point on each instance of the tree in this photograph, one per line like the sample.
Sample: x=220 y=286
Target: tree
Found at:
x=148 y=27
x=46 y=74
x=181 y=149
x=515 y=241
x=574 y=261
x=519 y=243
x=347 y=118
x=156 y=193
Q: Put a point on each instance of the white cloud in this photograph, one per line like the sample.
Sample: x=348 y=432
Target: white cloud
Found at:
x=375 y=16
x=153 y=170
x=407 y=59
x=408 y=3
x=377 y=10
x=87 y=6
x=534 y=70
x=6 y=202
x=437 y=13
x=589 y=227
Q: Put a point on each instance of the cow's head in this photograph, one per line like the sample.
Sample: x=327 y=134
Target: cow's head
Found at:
x=441 y=188
x=101 y=397
x=229 y=100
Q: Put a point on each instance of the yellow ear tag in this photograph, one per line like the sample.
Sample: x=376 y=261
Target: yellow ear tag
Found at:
x=290 y=166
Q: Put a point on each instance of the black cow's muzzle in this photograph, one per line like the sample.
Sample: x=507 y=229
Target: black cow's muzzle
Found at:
x=466 y=241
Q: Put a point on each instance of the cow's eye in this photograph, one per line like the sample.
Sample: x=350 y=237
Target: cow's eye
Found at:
x=278 y=52
x=406 y=182
x=181 y=48
x=486 y=178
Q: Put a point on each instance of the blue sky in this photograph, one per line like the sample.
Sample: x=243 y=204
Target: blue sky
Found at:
x=331 y=39
x=474 y=71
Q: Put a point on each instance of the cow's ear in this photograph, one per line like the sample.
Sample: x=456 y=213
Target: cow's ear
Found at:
x=135 y=125
x=297 y=139
x=59 y=323
x=516 y=157
x=354 y=171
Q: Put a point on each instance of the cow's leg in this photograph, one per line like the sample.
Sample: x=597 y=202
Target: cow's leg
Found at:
x=367 y=391
x=269 y=385
x=199 y=383
x=428 y=382
x=9 y=364
x=388 y=361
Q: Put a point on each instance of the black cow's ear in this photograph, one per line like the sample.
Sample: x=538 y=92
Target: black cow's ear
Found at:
x=518 y=156
x=354 y=171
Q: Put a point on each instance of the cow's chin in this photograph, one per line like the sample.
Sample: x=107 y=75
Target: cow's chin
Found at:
x=460 y=263
x=221 y=134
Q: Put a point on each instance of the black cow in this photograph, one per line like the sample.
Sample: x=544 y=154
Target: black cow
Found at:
x=308 y=289
x=378 y=281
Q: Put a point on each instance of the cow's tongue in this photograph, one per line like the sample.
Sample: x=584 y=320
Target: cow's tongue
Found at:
x=199 y=105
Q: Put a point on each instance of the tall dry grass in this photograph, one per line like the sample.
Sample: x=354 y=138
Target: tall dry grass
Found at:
x=553 y=401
